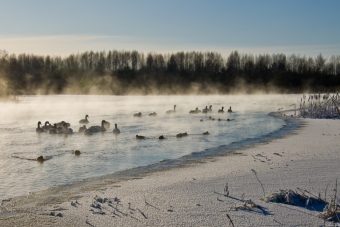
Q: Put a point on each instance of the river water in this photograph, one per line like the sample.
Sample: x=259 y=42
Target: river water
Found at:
x=106 y=153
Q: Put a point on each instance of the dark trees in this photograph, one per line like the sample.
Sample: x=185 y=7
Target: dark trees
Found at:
x=122 y=71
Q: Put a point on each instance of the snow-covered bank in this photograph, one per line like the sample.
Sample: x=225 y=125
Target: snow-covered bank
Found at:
x=193 y=195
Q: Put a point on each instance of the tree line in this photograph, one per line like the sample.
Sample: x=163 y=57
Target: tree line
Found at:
x=127 y=72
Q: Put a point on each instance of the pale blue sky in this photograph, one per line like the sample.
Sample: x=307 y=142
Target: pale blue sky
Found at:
x=66 y=26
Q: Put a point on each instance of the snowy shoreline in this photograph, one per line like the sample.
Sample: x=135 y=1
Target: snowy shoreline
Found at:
x=190 y=195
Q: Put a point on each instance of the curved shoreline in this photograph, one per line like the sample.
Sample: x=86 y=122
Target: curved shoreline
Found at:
x=63 y=193
x=291 y=124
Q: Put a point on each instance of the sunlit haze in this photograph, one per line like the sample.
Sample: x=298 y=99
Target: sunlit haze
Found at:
x=64 y=27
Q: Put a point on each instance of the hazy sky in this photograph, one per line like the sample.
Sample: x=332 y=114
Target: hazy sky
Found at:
x=257 y=26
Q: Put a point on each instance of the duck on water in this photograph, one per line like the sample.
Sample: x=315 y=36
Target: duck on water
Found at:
x=60 y=128
x=63 y=124
x=39 y=129
x=106 y=124
x=85 y=120
x=180 y=135
x=139 y=114
x=47 y=126
x=207 y=110
x=171 y=111
x=139 y=137
x=57 y=128
x=53 y=129
x=82 y=129
x=195 y=111
x=116 y=130
x=95 y=129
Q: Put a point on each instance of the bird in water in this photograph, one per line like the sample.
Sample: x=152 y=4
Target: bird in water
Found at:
x=140 y=137
x=63 y=124
x=230 y=110
x=68 y=131
x=53 y=129
x=205 y=110
x=106 y=124
x=195 y=111
x=139 y=114
x=153 y=114
x=161 y=137
x=63 y=128
x=95 y=129
x=82 y=129
x=180 y=135
x=41 y=159
x=171 y=111
x=39 y=129
x=85 y=120
x=205 y=133
x=47 y=126
x=221 y=110
x=116 y=130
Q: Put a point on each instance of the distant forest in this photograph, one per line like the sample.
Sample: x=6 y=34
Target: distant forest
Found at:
x=132 y=72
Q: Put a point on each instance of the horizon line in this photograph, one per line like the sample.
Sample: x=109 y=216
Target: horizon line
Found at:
x=67 y=44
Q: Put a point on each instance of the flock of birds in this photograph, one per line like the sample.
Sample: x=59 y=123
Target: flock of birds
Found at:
x=64 y=127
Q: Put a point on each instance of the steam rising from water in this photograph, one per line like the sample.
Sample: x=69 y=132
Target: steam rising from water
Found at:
x=30 y=109
x=106 y=153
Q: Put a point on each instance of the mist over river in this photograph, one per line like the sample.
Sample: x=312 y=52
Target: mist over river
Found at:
x=106 y=153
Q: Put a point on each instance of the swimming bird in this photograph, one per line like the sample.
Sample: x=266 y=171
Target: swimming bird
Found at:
x=82 y=129
x=180 y=135
x=68 y=131
x=95 y=129
x=84 y=121
x=161 y=137
x=47 y=126
x=205 y=110
x=39 y=129
x=171 y=111
x=77 y=152
x=61 y=124
x=60 y=130
x=106 y=124
x=205 y=133
x=230 y=110
x=140 y=137
x=153 y=114
x=221 y=110
x=41 y=159
x=63 y=128
x=195 y=111
x=139 y=114
x=116 y=130
x=53 y=129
